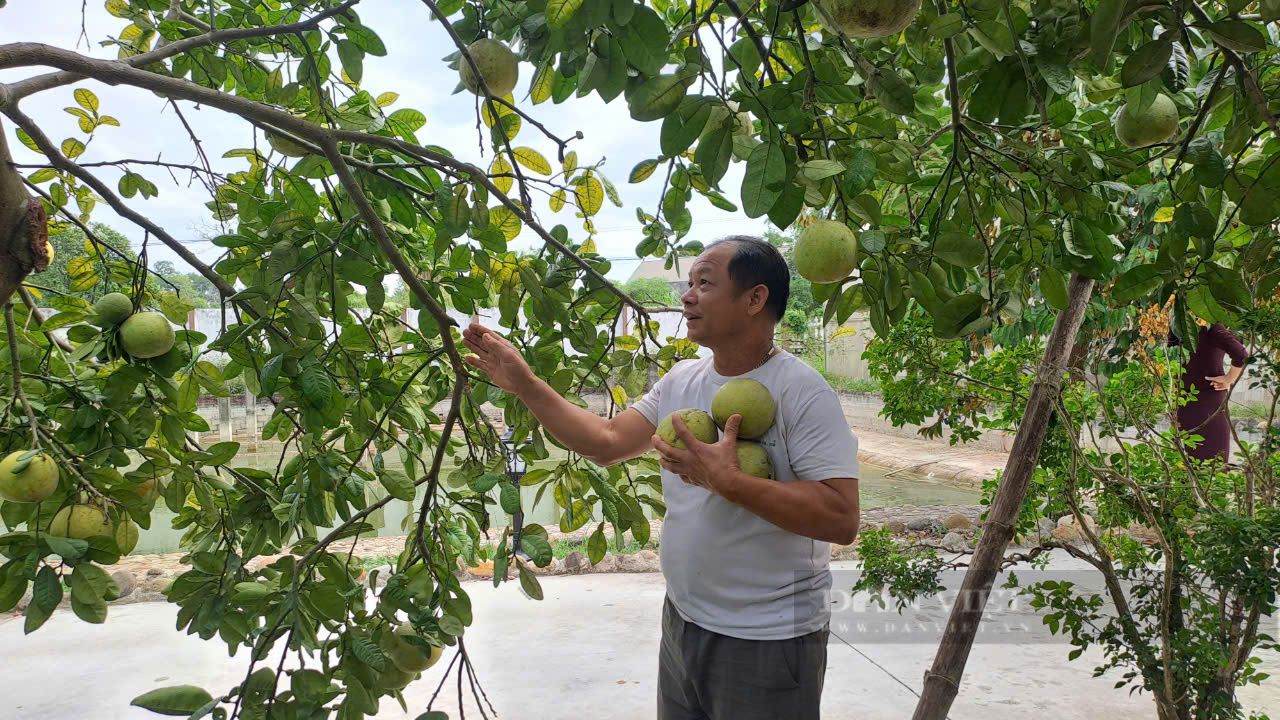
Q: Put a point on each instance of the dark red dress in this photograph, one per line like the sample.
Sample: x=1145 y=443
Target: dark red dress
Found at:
x=1206 y=415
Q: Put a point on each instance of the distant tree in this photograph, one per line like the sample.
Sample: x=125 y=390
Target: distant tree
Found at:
x=652 y=291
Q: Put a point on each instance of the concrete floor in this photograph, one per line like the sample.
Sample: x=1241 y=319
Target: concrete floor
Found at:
x=588 y=650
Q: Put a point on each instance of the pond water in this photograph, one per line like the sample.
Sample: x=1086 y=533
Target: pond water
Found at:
x=879 y=488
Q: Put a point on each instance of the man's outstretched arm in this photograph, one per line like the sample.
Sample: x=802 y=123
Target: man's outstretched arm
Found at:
x=604 y=441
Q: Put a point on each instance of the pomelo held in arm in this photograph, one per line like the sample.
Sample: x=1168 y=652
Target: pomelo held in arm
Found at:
x=28 y=479
x=826 y=252
x=497 y=65
x=147 y=335
x=748 y=398
x=868 y=18
x=698 y=422
x=754 y=460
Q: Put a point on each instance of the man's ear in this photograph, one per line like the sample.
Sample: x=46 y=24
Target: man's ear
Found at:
x=756 y=299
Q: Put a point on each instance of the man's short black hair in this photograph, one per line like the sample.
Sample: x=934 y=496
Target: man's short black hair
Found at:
x=756 y=262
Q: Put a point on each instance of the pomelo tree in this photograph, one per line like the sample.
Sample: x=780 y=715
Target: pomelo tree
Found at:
x=1001 y=163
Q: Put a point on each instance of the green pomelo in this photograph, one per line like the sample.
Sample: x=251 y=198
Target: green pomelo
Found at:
x=113 y=308
x=867 y=18
x=405 y=655
x=753 y=460
x=80 y=522
x=741 y=120
x=826 y=252
x=147 y=335
x=698 y=422
x=36 y=481
x=1141 y=128
x=126 y=536
x=497 y=65
x=748 y=398
x=393 y=678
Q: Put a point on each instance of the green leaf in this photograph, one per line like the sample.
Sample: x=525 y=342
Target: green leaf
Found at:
x=543 y=81
x=529 y=581
x=944 y=26
x=1104 y=25
x=656 y=98
x=317 y=387
x=682 y=127
x=368 y=652
x=222 y=453
x=953 y=317
x=66 y=548
x=1194 y=220
x=486 y=482
x=559 y=12
x=176 y=700
x=1146 y=62
x=963 y=249
x=352 y=58
x=1237 y=35
x=597 y=545
x=642 y=171
x=1135 y=283
x=761 y=184
x=894 y=94
x=397 y=484
x=270 y=375
x=713 y=153
x=509 y=499
x=366 y=40
x=821 y=169
x=1054 y=288
x=46 y=593
x=90 y=610
x=872 y=241
x=538 y=549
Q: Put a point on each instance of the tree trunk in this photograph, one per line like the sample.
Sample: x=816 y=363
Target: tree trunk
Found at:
x=16 y=256
x=942 y=681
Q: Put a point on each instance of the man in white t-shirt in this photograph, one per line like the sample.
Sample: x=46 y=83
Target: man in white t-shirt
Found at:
x=746 y=560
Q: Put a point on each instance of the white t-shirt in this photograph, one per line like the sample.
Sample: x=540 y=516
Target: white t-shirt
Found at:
x=727 y=569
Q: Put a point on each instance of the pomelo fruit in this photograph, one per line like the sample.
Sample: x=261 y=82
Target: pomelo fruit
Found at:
x=867 y=18
x=126 y=536
x=698 y=422
x=148 y=490
x=748 y=398
x=80 y=522
x=826 y=251
x=497 y=65
x=113 y=308
x=36 y=481
x=147 y=335
x=753 y=460
x=405 y=655
x=1141 y=128
x=741 y=120
x=393 y=678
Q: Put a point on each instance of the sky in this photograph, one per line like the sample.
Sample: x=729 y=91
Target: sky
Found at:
x=412 y=67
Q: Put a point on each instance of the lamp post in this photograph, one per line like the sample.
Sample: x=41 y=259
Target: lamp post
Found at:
x=515 y=470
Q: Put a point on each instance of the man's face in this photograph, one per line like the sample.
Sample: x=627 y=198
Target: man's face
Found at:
x=711 y=309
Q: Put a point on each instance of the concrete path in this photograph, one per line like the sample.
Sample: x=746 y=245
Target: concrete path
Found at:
x=589 y=650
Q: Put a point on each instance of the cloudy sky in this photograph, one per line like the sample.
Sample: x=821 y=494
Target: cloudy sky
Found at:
x=412 y=67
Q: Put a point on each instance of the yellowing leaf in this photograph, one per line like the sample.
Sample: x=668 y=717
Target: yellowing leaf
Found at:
x=501 y=172
x=541 y=89
x=533 y=160
x=570 y=161
x=843 y=331
x=487 y=110
x=387 y=98
x=557 y=201
x=590 y=194
x=119 y=8
x=506 y=220
x=619 y=394
x=642 y=170
x=72 y=148
x=86 y=99
x=108 y=120
x=1164 y=215
x=589 y=246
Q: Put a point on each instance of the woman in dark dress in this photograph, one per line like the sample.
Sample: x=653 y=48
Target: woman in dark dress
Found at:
x=1206 y=414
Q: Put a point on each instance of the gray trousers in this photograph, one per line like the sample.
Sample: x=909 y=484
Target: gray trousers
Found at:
x=703 y=675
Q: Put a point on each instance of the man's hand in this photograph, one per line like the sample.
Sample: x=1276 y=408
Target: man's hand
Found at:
x=713 y=466
x=1220 y=382
x=496 y=357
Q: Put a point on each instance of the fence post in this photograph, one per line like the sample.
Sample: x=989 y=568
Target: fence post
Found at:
x=251 y=416
x=224 y=419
